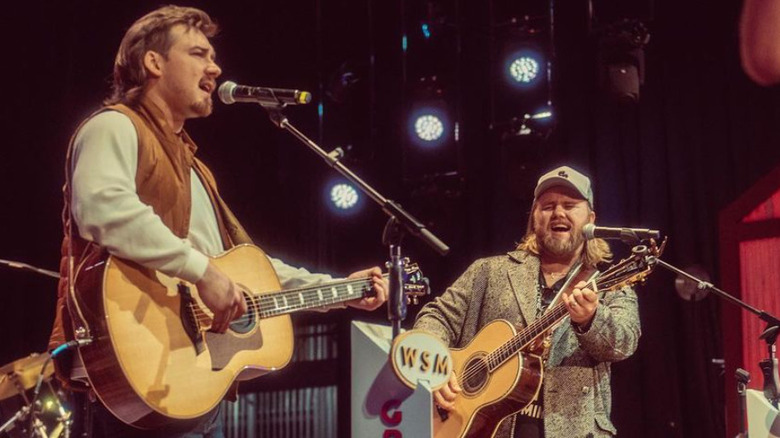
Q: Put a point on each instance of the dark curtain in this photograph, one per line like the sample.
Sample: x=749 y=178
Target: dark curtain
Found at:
x=700 y=135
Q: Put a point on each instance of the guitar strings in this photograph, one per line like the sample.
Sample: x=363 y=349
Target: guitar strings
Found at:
x=265 y=305
x=268 y=306
x=491 y=361
x=501 y=354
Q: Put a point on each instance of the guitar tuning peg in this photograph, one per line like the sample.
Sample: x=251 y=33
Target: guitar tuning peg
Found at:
x=406 y=261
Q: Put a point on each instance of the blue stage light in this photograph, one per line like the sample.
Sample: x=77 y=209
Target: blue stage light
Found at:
x=344 y=196
x=426 y=30
x=524 y=68
x=429 y=126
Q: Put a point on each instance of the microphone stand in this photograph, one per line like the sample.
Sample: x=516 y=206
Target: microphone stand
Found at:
x=743 y=378
x=26 y=267
x=399 y=222
x=769 y=366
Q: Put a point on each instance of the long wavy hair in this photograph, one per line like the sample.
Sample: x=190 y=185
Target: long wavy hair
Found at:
x=151 y=32
x=596 y=250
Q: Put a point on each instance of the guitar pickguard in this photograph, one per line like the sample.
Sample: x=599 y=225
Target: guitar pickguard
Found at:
x=223 y=346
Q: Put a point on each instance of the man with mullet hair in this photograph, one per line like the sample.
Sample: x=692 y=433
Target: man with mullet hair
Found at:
x=135 y=190
x=575 y=399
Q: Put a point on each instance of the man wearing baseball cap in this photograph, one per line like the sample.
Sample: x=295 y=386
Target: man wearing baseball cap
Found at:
x=575 y=398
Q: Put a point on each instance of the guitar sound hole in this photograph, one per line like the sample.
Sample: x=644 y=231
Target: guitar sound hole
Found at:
x=475 y=375
x=247 y=321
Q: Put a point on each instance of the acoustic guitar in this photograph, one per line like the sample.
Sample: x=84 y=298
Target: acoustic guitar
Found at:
x=501 y=369
x=154 y=360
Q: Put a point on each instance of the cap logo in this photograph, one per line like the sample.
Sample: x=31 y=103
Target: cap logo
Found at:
x=563 y=174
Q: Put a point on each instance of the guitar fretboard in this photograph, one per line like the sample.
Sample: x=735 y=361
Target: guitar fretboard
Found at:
x=611 y=279
x=288 y=301
x=526 y=336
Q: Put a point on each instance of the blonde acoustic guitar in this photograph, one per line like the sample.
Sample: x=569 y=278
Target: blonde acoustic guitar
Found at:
x=153 y=358
x=499 y=372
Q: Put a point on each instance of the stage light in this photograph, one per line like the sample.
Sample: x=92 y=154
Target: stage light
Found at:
x=538 y=124
x=344 y=196
x=621 y=59
x=429 y=125
x=524 y=68
x=426 y=30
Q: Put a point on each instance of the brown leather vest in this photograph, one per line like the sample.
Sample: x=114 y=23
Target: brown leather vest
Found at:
x=163 y=182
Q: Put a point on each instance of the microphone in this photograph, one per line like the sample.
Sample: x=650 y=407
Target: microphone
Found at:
x=230 y=92
x=628 y=235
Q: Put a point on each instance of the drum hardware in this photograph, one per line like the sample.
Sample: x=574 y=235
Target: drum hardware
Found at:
x=45 y=416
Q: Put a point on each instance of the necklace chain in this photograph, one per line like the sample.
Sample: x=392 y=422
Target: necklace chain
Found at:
x=555 y=274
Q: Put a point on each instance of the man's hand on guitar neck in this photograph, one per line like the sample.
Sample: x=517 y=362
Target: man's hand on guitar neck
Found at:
x=222 y=296
x=380 y=285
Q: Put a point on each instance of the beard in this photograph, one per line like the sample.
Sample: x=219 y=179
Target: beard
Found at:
x=560 y=248
x=203 y=108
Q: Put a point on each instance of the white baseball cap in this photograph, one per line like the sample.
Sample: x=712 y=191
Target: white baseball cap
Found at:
x=567 y=177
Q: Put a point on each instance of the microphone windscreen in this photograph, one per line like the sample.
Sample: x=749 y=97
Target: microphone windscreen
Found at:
x=588 y=231
x=225 y=92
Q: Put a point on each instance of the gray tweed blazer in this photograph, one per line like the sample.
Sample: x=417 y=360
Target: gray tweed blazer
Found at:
x=577 y=395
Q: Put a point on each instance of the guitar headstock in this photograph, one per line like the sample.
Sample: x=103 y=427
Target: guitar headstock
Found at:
x=416 y=285
x=631 y=270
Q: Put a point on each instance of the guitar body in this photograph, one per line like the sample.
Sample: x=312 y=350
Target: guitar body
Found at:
x=152 y=361
x=488 y=398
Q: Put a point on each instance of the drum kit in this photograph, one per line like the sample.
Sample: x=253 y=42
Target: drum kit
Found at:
x=27 y=414
x=32 y=403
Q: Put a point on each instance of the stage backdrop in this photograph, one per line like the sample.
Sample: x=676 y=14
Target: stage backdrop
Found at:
x=700 y=135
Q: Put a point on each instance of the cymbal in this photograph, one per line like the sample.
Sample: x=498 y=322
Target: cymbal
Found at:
x=23 y=373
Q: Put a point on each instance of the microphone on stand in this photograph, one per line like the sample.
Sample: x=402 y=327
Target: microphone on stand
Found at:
x=230 y=92
x=627 y=235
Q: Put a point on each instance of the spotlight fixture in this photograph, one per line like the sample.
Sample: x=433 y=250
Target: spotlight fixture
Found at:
x=622 y=59
x=343 y=196
x=524 y=69
x=428 y=127
x=429 y=124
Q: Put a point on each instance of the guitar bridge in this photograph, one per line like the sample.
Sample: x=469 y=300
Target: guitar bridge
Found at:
x=189 y=319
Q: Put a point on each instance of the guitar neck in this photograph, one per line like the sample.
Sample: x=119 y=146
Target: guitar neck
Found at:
x=627 y=272
x=521 y=340
x=540 y=326
x=293 y=300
